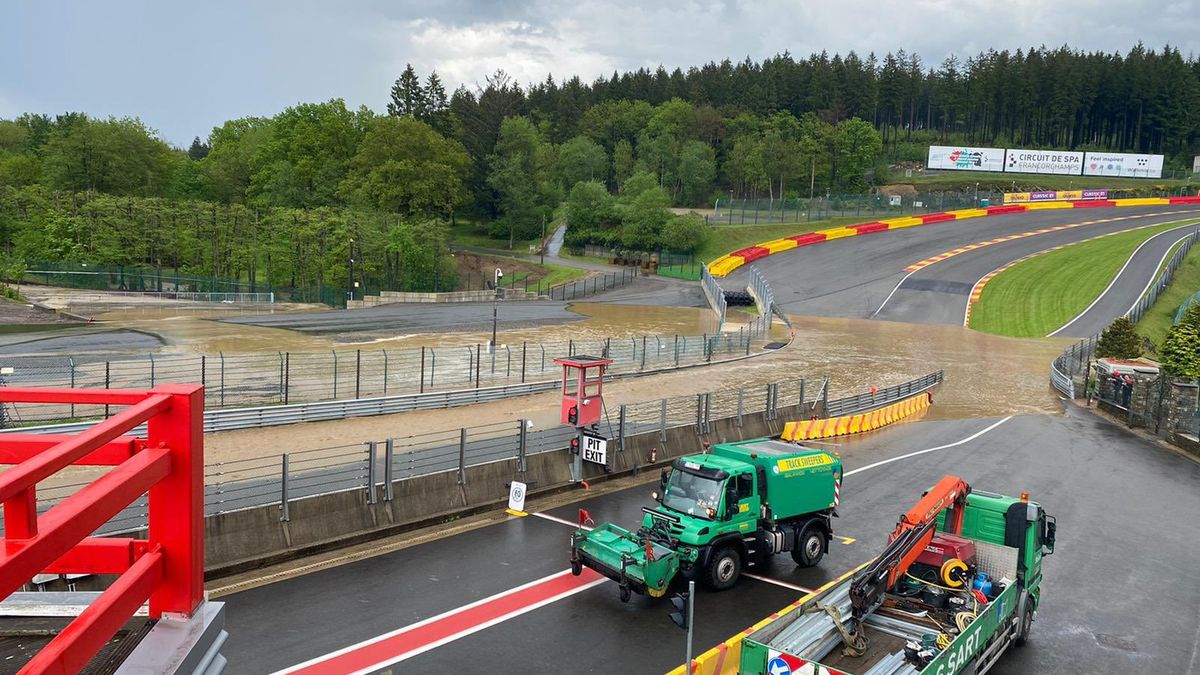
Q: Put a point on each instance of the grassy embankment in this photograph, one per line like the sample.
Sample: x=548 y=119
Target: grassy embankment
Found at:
x=1039 y=295
x=1004 y=182
x=1159 y=318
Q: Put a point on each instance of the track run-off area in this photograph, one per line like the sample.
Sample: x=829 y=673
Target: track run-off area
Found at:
x=496 y=596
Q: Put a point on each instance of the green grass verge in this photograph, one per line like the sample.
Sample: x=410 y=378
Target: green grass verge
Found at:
x=473 y=233
x=1161 y=316
x=561 y=274
x=1037 y=296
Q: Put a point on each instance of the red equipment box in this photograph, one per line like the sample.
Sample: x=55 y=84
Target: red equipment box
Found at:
x=582 y=389
x=945 y=546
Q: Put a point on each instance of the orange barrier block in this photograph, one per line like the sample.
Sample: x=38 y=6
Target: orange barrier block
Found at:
x=963 y=214
x=1039 y=206
x=856 y=424
x=843 y=426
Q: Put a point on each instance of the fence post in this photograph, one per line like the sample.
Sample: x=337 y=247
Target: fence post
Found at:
x=621 y=429
x=522 y=440
x=767 y=411
x=825 y=396
x=280 y=376
x=358 y=374
x=523 y=343
x=677 y=349
x=108 y=380
x=385 y=370
x=370 y=472
x=462 y=456
x=151 y=355
x=643 y=353
x=662 y=427
x=741 y=404
x=71 y=363
x=802 y=396
x=707 y=412
x=284 y=513
x=287 y=376
x=699 y=412
x=335 y=369
x=388 y=456
x=507 y=362
x=478 y=357
x=222 y=356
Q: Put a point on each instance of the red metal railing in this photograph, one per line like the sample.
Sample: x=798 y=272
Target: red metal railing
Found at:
x=167 y=567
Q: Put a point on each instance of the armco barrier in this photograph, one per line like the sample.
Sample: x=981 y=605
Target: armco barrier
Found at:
x=728 y=263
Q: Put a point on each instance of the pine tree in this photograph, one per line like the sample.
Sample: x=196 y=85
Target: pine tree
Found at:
x=1119 y=341
x=199 y=150
x=409 y=98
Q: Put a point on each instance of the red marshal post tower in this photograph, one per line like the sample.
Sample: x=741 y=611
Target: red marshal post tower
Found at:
x=582 y=406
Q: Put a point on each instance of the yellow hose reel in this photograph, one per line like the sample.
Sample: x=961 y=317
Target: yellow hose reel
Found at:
x=954 y=573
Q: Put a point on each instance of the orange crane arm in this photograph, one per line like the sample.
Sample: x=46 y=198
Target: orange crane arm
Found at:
x=906 y=543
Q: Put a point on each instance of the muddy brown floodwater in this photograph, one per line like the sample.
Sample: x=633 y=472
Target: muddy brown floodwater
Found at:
x=986 y=376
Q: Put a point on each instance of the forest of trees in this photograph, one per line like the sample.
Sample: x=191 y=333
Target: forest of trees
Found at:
x=608 y=156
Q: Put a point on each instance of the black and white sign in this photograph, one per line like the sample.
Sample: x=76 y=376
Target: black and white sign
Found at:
x=1060 y=162
x=1122 y=164
x=595 y=449
x=516 y=496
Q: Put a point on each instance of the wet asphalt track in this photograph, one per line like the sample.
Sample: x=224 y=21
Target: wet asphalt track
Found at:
x=852 y=277
x=1118 y=596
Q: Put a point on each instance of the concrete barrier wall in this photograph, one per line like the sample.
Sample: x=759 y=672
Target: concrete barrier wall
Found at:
x=389 y=297
x=248 y=538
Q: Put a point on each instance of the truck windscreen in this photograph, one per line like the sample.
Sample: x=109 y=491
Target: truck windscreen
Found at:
x=693 y=494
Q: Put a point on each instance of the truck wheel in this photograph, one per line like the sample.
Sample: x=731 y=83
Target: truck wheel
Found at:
x=625 y=594
x=576 y=567
x=810 y=547
x=1026 y=625
x=724 y=568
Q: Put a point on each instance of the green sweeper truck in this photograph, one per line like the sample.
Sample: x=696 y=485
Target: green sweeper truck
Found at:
x=718 y=512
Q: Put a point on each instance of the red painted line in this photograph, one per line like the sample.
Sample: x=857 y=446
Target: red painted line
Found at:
x=431 y=633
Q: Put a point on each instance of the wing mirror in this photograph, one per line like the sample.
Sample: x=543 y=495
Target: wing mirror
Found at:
x=662 y=480
x=1051 y=531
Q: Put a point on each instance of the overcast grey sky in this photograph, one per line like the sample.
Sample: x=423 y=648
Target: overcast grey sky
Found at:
x=184 y=67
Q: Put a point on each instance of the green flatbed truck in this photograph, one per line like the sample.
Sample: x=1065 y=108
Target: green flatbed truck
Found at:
x=718 y=512
x=925 y=620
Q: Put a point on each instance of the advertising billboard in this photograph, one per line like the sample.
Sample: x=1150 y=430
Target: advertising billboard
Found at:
x=965 y=159
x=1059 y=162
x=1053 y=196
x=1122 y=164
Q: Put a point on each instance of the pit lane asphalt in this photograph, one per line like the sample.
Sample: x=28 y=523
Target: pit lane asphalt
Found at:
x=852 y=277
x=1117 y=592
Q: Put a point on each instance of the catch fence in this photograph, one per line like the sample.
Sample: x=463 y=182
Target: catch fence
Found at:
x=282 y=478
x=342 y=376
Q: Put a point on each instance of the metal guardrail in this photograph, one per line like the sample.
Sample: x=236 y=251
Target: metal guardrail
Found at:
x=281 y=479
x=714 y=295
x=1066 y=367
x=881 y=397
x=582 y=288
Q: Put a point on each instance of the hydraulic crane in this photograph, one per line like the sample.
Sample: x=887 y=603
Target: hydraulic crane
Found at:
x=912 y=534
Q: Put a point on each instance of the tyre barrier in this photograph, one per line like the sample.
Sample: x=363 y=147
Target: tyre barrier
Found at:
x=852 y=424
x=728 y=263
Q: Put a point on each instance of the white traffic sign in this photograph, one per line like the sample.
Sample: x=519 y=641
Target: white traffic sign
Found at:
x=516 y=497
x=595 y=449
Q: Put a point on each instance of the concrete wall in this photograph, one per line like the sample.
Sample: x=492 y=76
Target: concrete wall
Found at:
x=253 y=537
x=390 y=297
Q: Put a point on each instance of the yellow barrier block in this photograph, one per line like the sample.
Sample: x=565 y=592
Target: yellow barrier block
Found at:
x=725 y=264
x=1041 y=206
x=837 y=233
x=778 y=245
x=1142 y=201
x=897 y=223
x=871 y=421
x=843 y=426
x=789 y=430
x=962 y=214
x=821 y=429
x=856 y=424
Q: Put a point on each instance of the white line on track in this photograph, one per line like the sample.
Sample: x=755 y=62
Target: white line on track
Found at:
x=777 y=582
x=1122 y=271
x=968 y=439
x=443 y=615
x=1156 y=272
x=889 y=296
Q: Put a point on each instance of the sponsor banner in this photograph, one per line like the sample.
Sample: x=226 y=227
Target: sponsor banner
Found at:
x=1122 y=164
x=1043 y=161
x=965 y=158
x=1053 y=196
